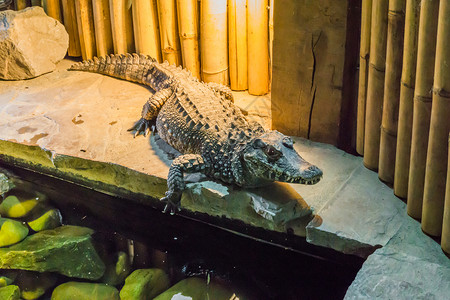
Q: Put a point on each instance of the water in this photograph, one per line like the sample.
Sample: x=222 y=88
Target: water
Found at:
x=184 y=247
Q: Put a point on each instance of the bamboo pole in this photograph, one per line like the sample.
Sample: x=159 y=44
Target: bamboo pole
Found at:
x=437 y=155
x=445 y=241
x=70 y=22
x=20 y=4
x=366 y=17
x=271 y=10
x=36 y=3
x=146 y=29
x=237 y=32
x=52 y=9
x=426 y=49
x=121 y=26
x=102 y=25
x=394 y=58
x=406 y=99
x=258 y=47
x=168 y=29
x=85 y=28
x=188 y=30
x=375 y=83
x=213 y=41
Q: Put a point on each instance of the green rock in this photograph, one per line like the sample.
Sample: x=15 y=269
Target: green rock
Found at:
x=7 y=277
x=117 y=269
x=10 y=292
x=144 y=284
x=197 y=288
x=48 y=220
x=84 y=290
x=11 y=232
x=67 y=250
x=33 y=284
x=19 y=204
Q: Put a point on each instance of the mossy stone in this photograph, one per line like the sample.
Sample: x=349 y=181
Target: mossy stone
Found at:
x=17 y=207
x=10 y=292
x=197 y=288
x=67 y=250
x=33 y=284
x=144 y=284
x=48 y=220
x=83 y=290
x=7 y=277
x=117 y=269
x=11 y=232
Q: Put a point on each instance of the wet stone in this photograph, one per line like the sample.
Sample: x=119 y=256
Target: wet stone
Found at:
x=50 y=219
x=67 y=250
x=7 y=277
x=84 y=290
x=10 y=292
x=11 y=232
x=33 y=284
x=117 y=269
x=19 y=204
x=5 y=184
x=144 y=284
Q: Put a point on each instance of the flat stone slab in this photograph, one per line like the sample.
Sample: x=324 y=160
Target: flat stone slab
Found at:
x=410 y=266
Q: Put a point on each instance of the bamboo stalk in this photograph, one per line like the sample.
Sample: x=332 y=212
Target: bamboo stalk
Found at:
x=102 y=25
x=146 y=29
x=366 y=17
x=188 y=30
x=86 y=28
x=237 y=32
x=406 y=99
x=36 y=3
x=52 y=9
x=445 y=241
x=426 y=49
x=271 y=10
x=70 y=22
x=394 y=58
x=258 y=47
x=213 y=41
x=437 y=155
x=375 y=83
x=121 y=26
x=20 y=4
x=168 y=29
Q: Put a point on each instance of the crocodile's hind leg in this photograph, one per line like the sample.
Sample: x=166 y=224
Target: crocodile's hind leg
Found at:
x=150 y=111
x=187 y=163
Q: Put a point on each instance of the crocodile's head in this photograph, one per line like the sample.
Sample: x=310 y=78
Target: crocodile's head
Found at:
x=272 y=157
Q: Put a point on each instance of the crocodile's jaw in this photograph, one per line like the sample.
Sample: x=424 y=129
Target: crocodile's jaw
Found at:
x=259 y=168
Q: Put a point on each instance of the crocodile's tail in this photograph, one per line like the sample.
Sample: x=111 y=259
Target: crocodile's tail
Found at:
x=131 y=67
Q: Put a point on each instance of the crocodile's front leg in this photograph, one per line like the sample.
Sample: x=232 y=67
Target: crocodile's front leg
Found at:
x=150 y=111
x=187 y=163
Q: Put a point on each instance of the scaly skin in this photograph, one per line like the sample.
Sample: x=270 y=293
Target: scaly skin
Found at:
x=201 y=121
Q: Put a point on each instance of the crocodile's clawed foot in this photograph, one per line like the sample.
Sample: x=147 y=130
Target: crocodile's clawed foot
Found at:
x=141 y=126
x=172 y=203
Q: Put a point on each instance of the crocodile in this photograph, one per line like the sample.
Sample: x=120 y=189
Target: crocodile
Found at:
x=201 y=121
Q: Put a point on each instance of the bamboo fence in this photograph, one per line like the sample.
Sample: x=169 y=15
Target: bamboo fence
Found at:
x=53 y=9
x=188 y=28
x=146 y=28
x=122 y=26
x=102 y=25
x=168 y=29
x=366 y=17
x=422 y=104
x=437 y=155
x=375 y=86
x=20 y=4
x=70 y=23
x=445 y=242
x=237 y=31
x=406 y=99
x=86 y=28
x=389 y=122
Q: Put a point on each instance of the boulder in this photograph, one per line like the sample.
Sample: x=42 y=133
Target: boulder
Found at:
x=31 y=43
x=144 y=284
x=8 y=277
x=11 y=232
x=67 y=250
x=83 y=290
x=33 y=284
x=19 y=203
x=49 y=219
x=117 y=269
x=10 y=292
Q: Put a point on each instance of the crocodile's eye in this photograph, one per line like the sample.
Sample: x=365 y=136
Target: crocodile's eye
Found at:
x=272 y=153
x=288 y=142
